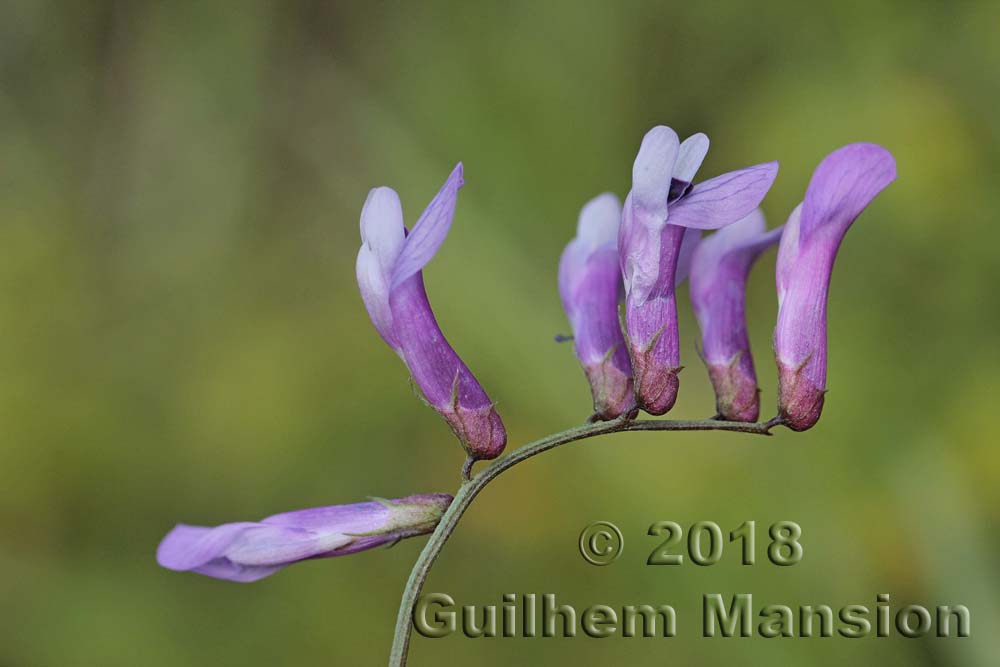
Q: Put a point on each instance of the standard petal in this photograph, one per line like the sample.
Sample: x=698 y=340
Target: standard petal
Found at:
x=651 y=174
x=430 y=231
x=723 y=200
x=844 y=183
x=691 y=154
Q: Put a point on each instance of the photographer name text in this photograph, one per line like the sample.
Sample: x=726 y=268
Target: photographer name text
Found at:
x=438 y=615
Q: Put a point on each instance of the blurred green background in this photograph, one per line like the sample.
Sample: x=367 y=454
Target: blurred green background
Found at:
x=181 y=337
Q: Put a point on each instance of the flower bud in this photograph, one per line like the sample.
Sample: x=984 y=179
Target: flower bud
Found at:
x=844 y=183
x=590 y=286
x=249 y=551
x=719 y=271
x=391 y=282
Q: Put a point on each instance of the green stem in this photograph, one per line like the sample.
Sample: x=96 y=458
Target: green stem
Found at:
x=471 y=486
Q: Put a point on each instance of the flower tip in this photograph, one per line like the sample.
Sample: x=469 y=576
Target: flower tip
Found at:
x=166 y=554
x=458 y=173
x=864 y=162
x=188 y=547
x=660 y=133
x=880 y=155
x=770 y=171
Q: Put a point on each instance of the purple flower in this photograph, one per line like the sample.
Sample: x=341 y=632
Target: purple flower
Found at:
x=249 y=551
x=590 y=285
x=719 y=271
x=844 y=183
x=661 y=205
x=392 y=286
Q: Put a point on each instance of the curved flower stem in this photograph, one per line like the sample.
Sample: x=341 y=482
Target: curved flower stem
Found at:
x=472 y=485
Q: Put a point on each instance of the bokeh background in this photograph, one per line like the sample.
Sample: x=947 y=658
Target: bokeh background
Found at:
x=181 y=337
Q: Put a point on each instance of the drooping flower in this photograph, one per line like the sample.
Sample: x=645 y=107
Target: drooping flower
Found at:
x=844 y=183
x=249 y=551
x=719 y=271
x=392 y=286
x=590 y=285
x=662 y=204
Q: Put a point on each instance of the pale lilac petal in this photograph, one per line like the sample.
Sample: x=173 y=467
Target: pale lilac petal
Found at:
x=651 y=175
x=382 y=229
x=273 y=544
x=599 y=221
x=571 y=264
x=691 y=154
x=723 y=200
x=187 y=547
x=625 y=231
x=788 y=252
x=430 y=231
x=642 y=260
x=626 y=241
x=382 y=237
x=844 y=183
x=374 y=287
x=597 y=228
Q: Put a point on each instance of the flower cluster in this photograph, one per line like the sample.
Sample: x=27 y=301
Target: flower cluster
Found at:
x=656 y=241
x=636 y=252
